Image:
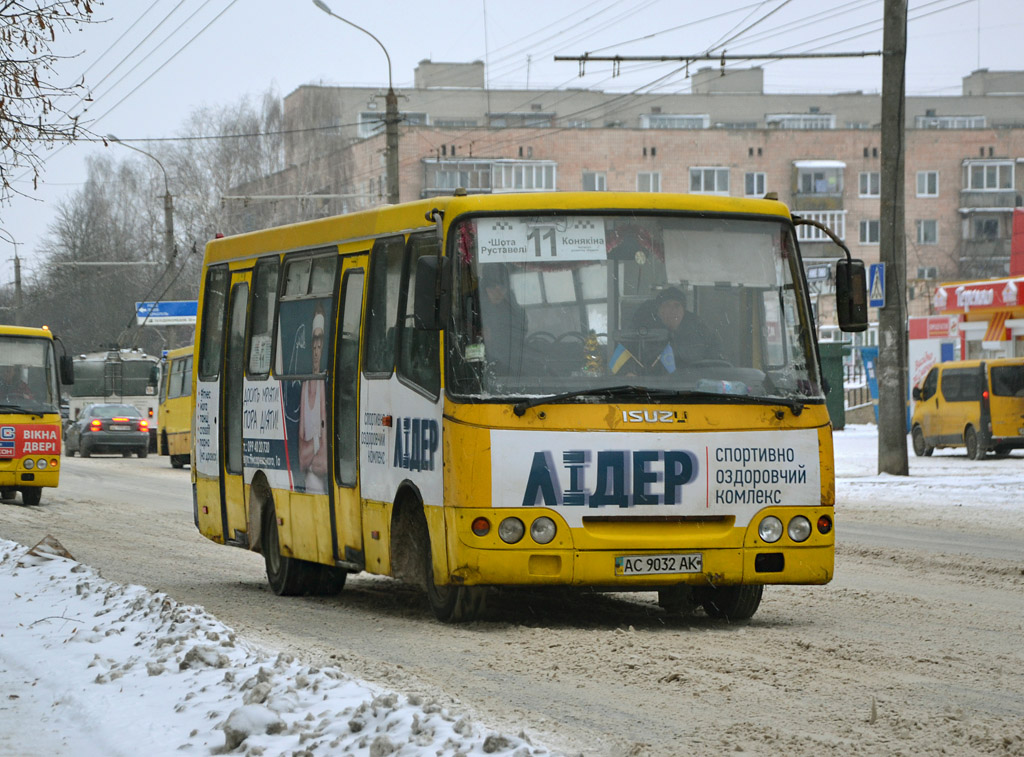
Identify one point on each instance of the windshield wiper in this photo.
(600, 391)
(795, 406)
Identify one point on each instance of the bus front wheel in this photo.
(451, 603)
(731, 602)
(32, 495)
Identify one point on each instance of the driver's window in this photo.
(931, 383)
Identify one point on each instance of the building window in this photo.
(594, 181)
(800, 121)
(927, 183)
(709, 180)
(519, 176)
(869, 231)
(672, 121)
(988, 176)
(648, 181)
(820, 180)
(985, 228)
(949, 122)
(870, 184)
(754, 184)
(928, 232)
(371, 122)
(527, 120)
(455, 123)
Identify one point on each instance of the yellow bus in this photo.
(30, 420)
(609, 390)
(176, 406)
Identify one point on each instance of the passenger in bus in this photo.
(503, 320)
(689, 338)
(313, 416)
(12, 387)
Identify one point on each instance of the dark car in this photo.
(108, 428)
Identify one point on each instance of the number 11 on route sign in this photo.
(876, 285)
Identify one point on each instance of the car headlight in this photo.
(799, 528)
(511, 530)
(770, 529)
(543, 530)
(30, 464)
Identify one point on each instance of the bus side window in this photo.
(215, 298)
(419, 355)
(346, 404)
(386, 261)
(261, 327)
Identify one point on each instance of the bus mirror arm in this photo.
(433, 287)
(851, 283)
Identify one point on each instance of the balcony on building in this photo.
(487, 175)
(988, 198)
(818, 195)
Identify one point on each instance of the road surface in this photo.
(915, 647)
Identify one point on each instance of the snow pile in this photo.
(97, 668)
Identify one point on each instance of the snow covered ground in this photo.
(89, 667)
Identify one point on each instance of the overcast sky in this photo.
(152, 62)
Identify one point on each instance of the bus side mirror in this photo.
(916, 394)
(67, 370)
(851, 295)
(433, 290)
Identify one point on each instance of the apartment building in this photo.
(820, 153)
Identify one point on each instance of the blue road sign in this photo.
(172, 313)
(876, 285)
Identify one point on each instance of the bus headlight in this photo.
(543, 530)
(30, 464)
(799, 528)
(770, 529)
(511, 530)
(41, 465)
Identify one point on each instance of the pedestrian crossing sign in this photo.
(876, 285)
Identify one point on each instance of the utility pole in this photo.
(892, 318)
(17, 288)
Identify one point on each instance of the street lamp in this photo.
(168, 202)
(391, 117)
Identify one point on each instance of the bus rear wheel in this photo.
(178, 461)
(731, 602)
(287, 576)
(32, 495)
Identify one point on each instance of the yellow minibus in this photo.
(609, 390)
(176, 406)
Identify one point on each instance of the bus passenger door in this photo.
(347, 516)
(235, 522)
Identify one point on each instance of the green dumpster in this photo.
(832, 369)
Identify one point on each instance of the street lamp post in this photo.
(168, 202)
(391, 117)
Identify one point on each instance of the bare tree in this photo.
(32, 115)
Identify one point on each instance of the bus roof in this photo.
(6, 330)
(409, 216)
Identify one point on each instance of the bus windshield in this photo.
(28, 375)
(664, 304)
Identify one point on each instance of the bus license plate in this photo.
(642, 565)
(118, 427)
